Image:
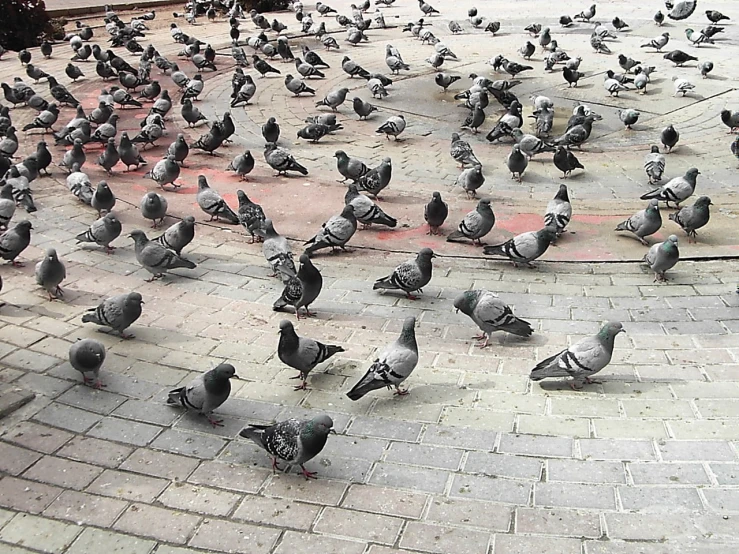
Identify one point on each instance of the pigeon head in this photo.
(427, 253)
(703, 202)
(408, 333)
(672, 239)
(653, 205)
(655, 149)
(305, 259)
(223, 372)
(562, 193)
(286, 327)
(612, 328)
(548, 234)
(202, 182)
(51, 255)
(692, 174)
(110, 216)
(437, 196)
(348, 212)
(319, 426)
(134, 299)
(138, 236)
(466, 302)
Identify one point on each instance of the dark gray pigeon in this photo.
(109, 157)
(103, 231)
(293, 441)
(475, 225)
(179, 235)
(87, 357)
(191, 114)
(103, 198)
(206, 392)
(271, 130)
(179, 149)
(393, 366)
(117, 312)
(582, 360)
(250, 215)
(155, 258)
(691, 218)
(213, 204)
(75, 155)
(302, 353)
(524, 248)
(301, 290)
(410, 276)
(335, 233)
(50, 272)
(128, 153)
(377, 178)
(490, 314)
(362, 109)
(154, 206)
(14, 241)
(435, 214)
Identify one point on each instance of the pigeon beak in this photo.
(234, 376)
(456, 311)
(333, 431)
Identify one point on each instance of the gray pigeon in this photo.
(165, 172)
(50, 272)
(103, 198)
(109, 157)
(377, 178)
(693, 217)
(435, 213)
(179, 149)
(154, 207)
(281, 160)
(271, 130)
(87, 357)
(301, 290)
(654, 165)
(393, 366)
(14, 241)
(297, 86)
(302, 353)
(392, 127)
(524, 248)
(293, 441)
(410, 276)
(103, 231)
(206, 392)
(676, 190)
(365, 210)
(117, 312)
(350, 168)
(75, 155)
(530, 144)
(276, 250)
(643, 223)
(155, 258)
(582, 360)
(7, 205)
(559, 211)
(662, 256)
(79, 184)
(462, 152)
(128, 153)
(242, 164)
(362, 109)
(476, 224)
(251, 215)
(335, 233)
(471, 179)
(334, 99)
(179, 235)
(191, 114)
(213, 203)
(490, 314)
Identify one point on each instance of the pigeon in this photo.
(393, 127)
(365, 210)
(659, 18)
(705, 67)
(490, 314)
(334, 99)
(250, 214)
(524, 248)
(7, 205)
(276, 250)
(292, 440)
(21, 189)
(658, 43)
(109, 157)
(271, 130)
(566, 162)
(661, 257)
(352, 68)
(87, 357)
(334, 233)
(410, 276)
(470, 180)
(117, 312)
(393, 366)
(376, 179)
(682, 86)
(627, 64)
(242, 165)
(165, 172)
(582, 360)
(530, 145)
(281, 160)
(445, 81)
(50, 272)
(179, 235)
(76, 155)
(179, 149)
(693, 217)
(586, 15)
(191, 114)
(676, 190)
(654, 165)
(643, 223)
(435, 213)
(307, 69)
(103, 231)
(129, 154)
(377, 89)
(297, 86)
(245, 93)
(154, 206)
(302, 290)
(475, 225)
(212, 140)
(681, 10)
(349, 168)
(155, 258)
(462, 152)
(79, 184)
(678, 57)
(669, 137)
(14, 241)
(714, 16)
(103, 198)
(613, 86)
(517, 162)
(213, 204)
(302, 353)
(45, 119)
(559, 211)
(206, 392)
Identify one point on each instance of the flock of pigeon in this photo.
(297, 441)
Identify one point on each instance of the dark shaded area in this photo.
(24, 22)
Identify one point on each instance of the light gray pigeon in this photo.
(50, 272)
(676, 190)
(693, 217)
(462, 152)
(490, 314)
(179, 235)
(392, 127)
(643, 223)
(365, 210)
(662, 256)
(335, 233)
(470, 180)
(524, 248)
(410, 276)
(281, 160)
(206, 392)
(582, 360)
(103, 231)
(654, 165)
(276, 250)
(559, 211)
(213, 203)
(302, 353)
(154, 206)
(155, 258)
(79, 184)
(87, 357)
(117, 312)
(165, 172)
(530, 144)
(476, 224)
(103, 199)
(393, 366)
(14, 241)
(334, 99)
(293, 441)
(302, 290)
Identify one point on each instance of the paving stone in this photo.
(470, 513)
(316, 544)
(679, 526)
(577, 471)
(608, 449)
(573, 495)
(14, 460)
(40, 533)
(158, 414)
(158, 523)
(442, 539)
(95, 451)
(189, 444)
(63, 473)
(726, 474)
(122, 430)
(385, 501)
(503, 465)
(517, 544)
(459, 437)
(409, 477)
(229, 476)
(703, 429)
(532, 445)
(359, 525)
(296, 487)
(67, 417)
(44, 384)
(92, 541)
(655, 499)
(118, 484)
(480, 487)
(160, 464)
(724, 500)
(477, 419)
(551, 521)
(385, 428)
(90, 399)
(234, 537)
(695, 451)
(26, 496)
(665, 474)
(27, 360)
(277, 512)
(37, 437)
(549, 425)
(442, 458)
(355, 447)
(86, 509)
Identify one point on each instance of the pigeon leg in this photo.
(99, 385)
(573, 386)
(275, 467)
(400, 392)
(17, 263)
(109, 249)
(308, 474)
(590, 381)
(302, 386)
(214, 422)
(411, 296)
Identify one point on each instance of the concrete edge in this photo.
(76, 11)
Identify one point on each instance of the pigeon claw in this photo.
(308, 474)
(400, 392)
(215, 422)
